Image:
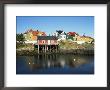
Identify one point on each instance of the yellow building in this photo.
(86, 39)
(28, 35)
(31, 35)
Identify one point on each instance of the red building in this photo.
(72, 33)
(47, 40)
(47, 43)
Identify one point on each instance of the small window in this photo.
(60, 36)
(52, 41)
(43, 41)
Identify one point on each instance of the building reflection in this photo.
(53, 61)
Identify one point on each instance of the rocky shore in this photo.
(74, 51)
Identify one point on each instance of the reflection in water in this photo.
(56, 64)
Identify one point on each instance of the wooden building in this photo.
(31, 35)
(47, 43)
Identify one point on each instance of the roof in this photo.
(43, 33)
(59, 31)
(47, 38)
(30, 30)
(63, 33)
(86, 37)
(35, 33)
(71, 33)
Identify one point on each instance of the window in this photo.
(52, 41)
(60, 36)
(43, 41)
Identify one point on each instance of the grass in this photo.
(72, 45)
(24, 46)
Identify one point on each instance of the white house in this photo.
(60, 34)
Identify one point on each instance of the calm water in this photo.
(55, 64)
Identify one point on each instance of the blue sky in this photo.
(49, 24)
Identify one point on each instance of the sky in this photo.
(49, 24)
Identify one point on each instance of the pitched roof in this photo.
(59, 31)
(35, 33)
(30, 30)
(43, 33)
(47, 38)
(71, 33)
(86, 37)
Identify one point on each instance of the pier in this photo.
(46, 48)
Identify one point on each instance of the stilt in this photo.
(56, 48)
(45, 48)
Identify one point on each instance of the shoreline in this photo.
(74, 52)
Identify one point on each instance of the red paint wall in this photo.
(53, 41)
(40, 42)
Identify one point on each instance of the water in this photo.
(55, 64)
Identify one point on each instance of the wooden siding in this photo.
(53, 41)
(47, 42)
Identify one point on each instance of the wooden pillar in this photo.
(45, 48)
(56, 48)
